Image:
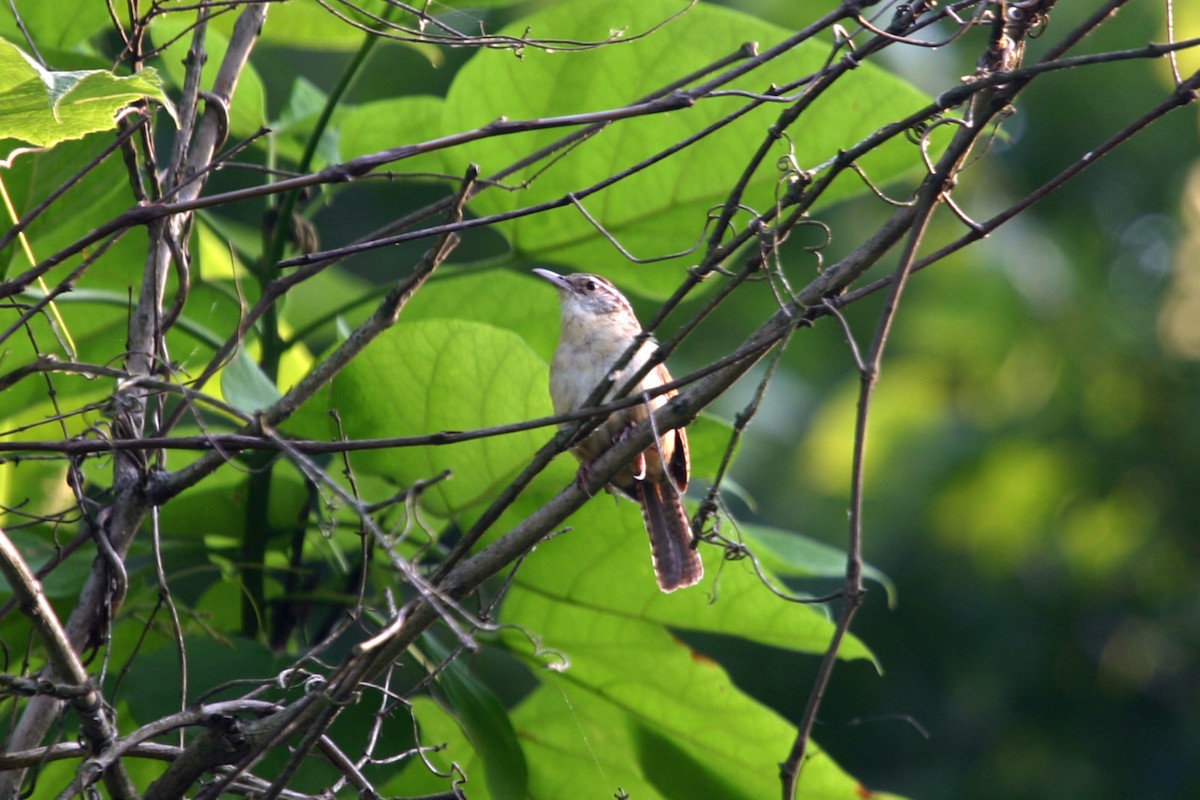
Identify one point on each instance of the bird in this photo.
(598, 326)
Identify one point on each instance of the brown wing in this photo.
(674, 444)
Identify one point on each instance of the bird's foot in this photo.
(584, 477)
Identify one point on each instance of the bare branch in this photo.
(98, 729)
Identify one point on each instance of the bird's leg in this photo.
(584, 477)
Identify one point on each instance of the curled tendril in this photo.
(736, 551)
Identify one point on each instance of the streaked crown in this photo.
(589, 293)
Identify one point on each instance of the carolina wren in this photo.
(598, 326)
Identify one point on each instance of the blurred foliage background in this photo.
(1033, 465)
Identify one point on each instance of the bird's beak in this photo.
(558, 280)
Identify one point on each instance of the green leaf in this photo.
(217, 506)
(510, 299)
(607, 547)
(637, 709)
(663, 209)
(384, 124)
(485, 722)
(304, 105)
(446, 745)
(436, 375)
(156, 674)
(314, 26)
(295, 125)
(60, 25)
(245, 386)
(796, 555)
(95, 199)
(43, 107)
(64, 580)
(320, 26)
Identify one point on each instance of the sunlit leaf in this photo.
(385, 124)
(661, 210)
(633, 707)
(603, 563)
(60, 25)
(43, 107)
(438, 375)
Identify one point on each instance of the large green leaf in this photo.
(340, 26)
(60, 25)
(384, 124)
(515, 301)
(634, 708)
(96, 327)
(316, 26)
(152, 686)
(663, 209)
(603, 564)
(43, 107)
(435, 375)
(94, 199)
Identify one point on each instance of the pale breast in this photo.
(584, 357)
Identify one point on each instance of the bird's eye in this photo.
(590, 286)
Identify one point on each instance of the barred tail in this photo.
(676, 562)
